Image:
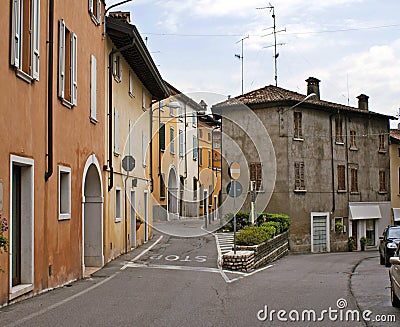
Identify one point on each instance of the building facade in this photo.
(394, 151)
(324, 164)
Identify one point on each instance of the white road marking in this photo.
(171, 267)
(147, 250)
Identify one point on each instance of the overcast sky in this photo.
(352, 46)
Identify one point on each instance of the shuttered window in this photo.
(341, 177)
(382, 181)
(25, 39)
(298, 133)
(95, 11)
(299, 176)
(93, 88)
(338, 130)
(181, 150)
(354, 180)
(162, 137)
(171, 140)
(195, 148)
(162, 186)
(256, 174)
(382, 143)
(353, 142)
(67, 65)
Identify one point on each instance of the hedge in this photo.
(252, 235)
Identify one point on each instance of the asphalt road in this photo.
(175, 281)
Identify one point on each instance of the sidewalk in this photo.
(186, 227)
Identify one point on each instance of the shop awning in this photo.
(396, 214)
(364, 211)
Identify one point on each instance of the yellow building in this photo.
(209, 134)
(174, 149)
(134, 84)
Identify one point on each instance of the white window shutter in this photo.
(16, 33)
(130, 83)
(116, 131)
(98, 10)
(120, 68)
(74, 69)
(91, 6)
(181, 143)
(93, 87)
(35, 38)
(114, 68)
(61, 59)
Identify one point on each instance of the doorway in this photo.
(320, 232)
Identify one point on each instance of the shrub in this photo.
(253, 235)
(276, 225)
(283, 219)
(242, 220)
(351, 242)
(270, 229)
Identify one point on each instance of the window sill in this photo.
(24, 76)
(131, 95)
(300, 191)
(298, 139)
(117, 79)
(162, 198)
(118, 219)
(353, 149)
(66, 103)
(94, 120)
(19, 290)
(382, 151)
(116, 154)
(95, 20)
(342, 191)
(354, 193)
(382, 192)
(339, 143)
(64, 216)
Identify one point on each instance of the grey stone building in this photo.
(323, 163)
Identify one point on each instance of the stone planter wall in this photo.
(254, 256)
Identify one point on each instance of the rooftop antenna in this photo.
(276, 55)
(240, 57)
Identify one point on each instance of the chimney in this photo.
(121, 15)
(203, 105)
(363, 102)
(313, 86)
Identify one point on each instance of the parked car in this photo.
(388, 244)
(394, 276)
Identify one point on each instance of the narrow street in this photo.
(172, 281)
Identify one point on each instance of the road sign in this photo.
(128, 163)
(234, 170)
(230, 189)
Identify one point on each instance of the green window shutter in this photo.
(162, 137)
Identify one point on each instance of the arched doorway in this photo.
(92, 215)
(172, 200)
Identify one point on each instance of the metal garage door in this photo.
(319, 233)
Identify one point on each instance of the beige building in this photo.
(134, 84)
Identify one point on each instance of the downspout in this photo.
(347, 161)
(151, 145)
(333, 164)
(49, 171)
(186, 164)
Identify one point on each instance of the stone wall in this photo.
(250, 257)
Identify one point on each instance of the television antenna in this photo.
(240, 57)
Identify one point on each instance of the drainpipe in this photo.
(151, 144)
(49, 171)
(347, 162)
(186, 164)
(333, 164)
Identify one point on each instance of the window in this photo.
(200, 156)
(209, 137)
(25, 38)
(298, 132)
(194, 120)
(171, 140)
(116, 131)
(194, 188)
(200, 133)
(382, 181)
(382, 143)
(370, 232)
(341, 178)
(67, 66)
(181, 143)
(210, 195)
(338, 130)
(162, 137)
(217, 136)
(93, 89)
(144, 105)
(180, 113)
(171, 111)
(299, 176)
(117, 68)
(256, 174)
(95, 11)
(118, 205)
(209, 159)
(131, 84)
(353, 144)
(338, 225)
(354, 180)
(399, 151)
(162, 186)
(64, 192)
(195, 148)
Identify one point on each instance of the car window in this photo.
(394, 233)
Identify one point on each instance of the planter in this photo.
(138, 225)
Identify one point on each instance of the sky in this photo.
(352, 46)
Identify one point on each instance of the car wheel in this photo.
(395, 300)
(381, 259)
(387, 262)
